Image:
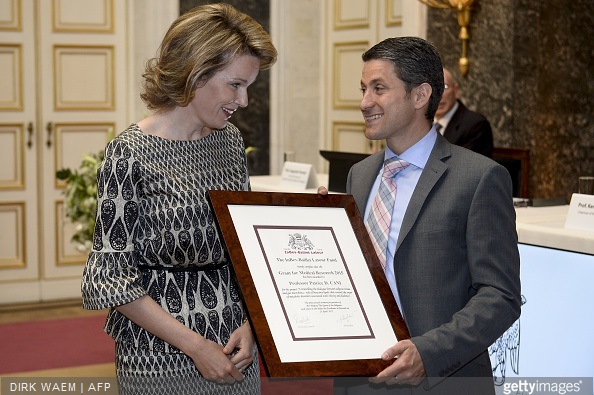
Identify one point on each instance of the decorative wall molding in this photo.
(91, 135)
(66, 254)
(11, 19)
(352, 14)
(12, 162)
(84, 77)
(11, 77)
(98, 16)
(346, 73)
(13, 245)
(393, 12)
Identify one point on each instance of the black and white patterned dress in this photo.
(152, 211)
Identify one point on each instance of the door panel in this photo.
(83, 62)
(19, 263)
(62, 93)
(356, 26)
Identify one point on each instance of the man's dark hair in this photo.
(415, 61)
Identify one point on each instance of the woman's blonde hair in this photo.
(198, 44)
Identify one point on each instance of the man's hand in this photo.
(322, 190)
(407, 368)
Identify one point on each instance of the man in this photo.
(452, 259)
(458, 124)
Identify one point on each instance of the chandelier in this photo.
(463, 9)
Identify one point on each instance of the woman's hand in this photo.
(208, 356)
(213, 363)
(242, 341)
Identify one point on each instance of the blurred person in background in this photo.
(458, 124)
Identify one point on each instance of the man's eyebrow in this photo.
(374, 81)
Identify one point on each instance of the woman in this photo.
(157, 261)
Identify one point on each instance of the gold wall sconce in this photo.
(463, 9)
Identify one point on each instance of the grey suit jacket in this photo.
(456, 263)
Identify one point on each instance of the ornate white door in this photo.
(70, 58)
(352, 27)
(19, 269)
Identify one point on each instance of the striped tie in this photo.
(378, 222)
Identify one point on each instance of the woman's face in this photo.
(225, 92)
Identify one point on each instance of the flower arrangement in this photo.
(80, 203)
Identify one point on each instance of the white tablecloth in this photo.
(272, 184)
(545, 226)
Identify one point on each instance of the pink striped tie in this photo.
(380, 216)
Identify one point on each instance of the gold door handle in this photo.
(49, 128)
(30, 131)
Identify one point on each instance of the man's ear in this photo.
(422, 95)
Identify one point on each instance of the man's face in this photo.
(449, 95)
(386, 107)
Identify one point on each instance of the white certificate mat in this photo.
(313, 282)
(318, 295)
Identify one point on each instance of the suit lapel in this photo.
(432, 172)
(367, 178)
(452, 131)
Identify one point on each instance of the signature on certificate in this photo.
(301, 320)
(345, 319)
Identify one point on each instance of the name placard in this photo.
(298, 176)
(581, 212)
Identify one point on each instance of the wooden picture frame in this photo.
(316, 296)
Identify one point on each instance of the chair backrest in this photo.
(340, 164)
(517, 162)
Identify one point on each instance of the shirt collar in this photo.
(418, 154)
(447, 117)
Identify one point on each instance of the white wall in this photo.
(296, 81)
(147, 24)
(299, 84)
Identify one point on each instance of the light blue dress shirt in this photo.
(406, 181)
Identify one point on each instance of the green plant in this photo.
(80, 202)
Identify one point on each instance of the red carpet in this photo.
(53, 344)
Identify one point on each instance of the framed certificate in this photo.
(316, 296)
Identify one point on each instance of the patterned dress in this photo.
(155, 235)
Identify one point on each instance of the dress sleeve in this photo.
(111, 276)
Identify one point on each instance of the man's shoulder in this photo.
(371, 160)
(366, 169)
(468, 158)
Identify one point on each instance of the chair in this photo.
(517, 162)
(340, 164)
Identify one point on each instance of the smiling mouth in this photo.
(228, 112)
(373, 117)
